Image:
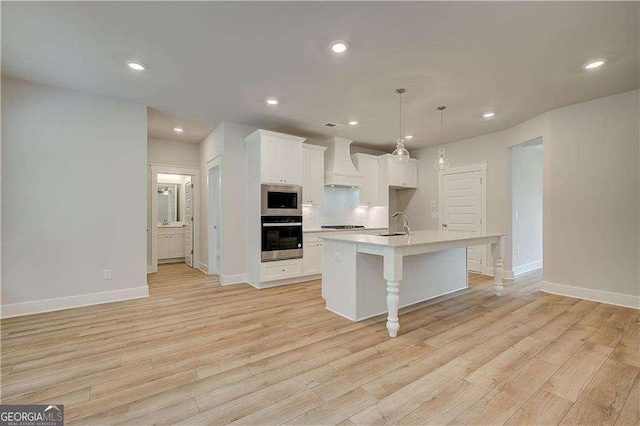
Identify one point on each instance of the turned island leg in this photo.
(393, 276)
(498, 272)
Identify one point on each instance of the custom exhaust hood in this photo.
(338, 167)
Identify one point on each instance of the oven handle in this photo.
(269, 225)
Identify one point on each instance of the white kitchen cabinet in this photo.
(367, 165)
(312, 258)
(281, 161)
(280, 269)
(312, 174)
(401, 175)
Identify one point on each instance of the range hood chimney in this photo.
(338, 167)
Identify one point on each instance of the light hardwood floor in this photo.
(198, 353)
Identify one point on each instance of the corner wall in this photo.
(74, 196)
(591, 201)
(227, 141)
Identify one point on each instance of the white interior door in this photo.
(461, 201)
(188, 218)
(214, 220)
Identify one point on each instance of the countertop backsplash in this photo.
(341, 208)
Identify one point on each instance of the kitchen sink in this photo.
(392, 235)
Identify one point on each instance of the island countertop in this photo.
(416, 238)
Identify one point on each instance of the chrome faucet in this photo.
(407, 230)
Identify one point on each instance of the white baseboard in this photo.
(527, 267)
(626, 300)
(233, 279)
(203, 267)
(57, 304)
(152, 269)
(508, 275)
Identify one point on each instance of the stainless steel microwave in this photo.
(281, 200)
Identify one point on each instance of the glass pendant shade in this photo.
(401, 153)
(441, 162)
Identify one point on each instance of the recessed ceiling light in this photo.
(339, 46)
(408, 137)
(178, 129)
(137, 66)
(489, 114)
(272, 101)
(597, 63)
(353, 122)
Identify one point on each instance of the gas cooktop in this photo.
(342, 226)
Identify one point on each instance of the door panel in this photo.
(462, 210)
(188, 218)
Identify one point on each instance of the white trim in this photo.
(527, 267)
(626, 300)
(189, 171)
(151, 269)
(60, 303)
(466, 168)
(233, 279)
(203, 267)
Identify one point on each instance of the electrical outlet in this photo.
(516, 215)
(337, 257)
(107, 274)
(517, 255)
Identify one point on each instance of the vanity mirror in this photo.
(168, 206)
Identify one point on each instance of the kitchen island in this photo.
(428, 264)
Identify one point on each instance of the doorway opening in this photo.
(174, 218)
(526, 206)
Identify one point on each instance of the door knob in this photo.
(444, 225)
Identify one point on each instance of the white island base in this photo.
(364, 276)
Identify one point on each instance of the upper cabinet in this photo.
(367, 165)
(280, 157)
(312, 174)
(400, 175)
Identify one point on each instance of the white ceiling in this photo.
(219, 61)
(160, 125)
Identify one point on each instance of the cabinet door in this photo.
(290, 163)
(163, 246)
(410, 174)
(306, 189)
(395, 173)
(269, 161)
(176, 246)
(312, 258)
(368, 193)
(314, 170)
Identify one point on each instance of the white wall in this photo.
(591, 191)
(73, 198)
(227, 140)
(526, 172)
(173, 153)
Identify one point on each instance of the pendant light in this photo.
(441, 162)
(400, 153)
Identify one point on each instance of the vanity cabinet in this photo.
(367, 165)
(171, 243)
(312, 174)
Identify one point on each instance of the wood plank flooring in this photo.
(195, 352)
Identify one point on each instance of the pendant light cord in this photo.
(400, 116)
